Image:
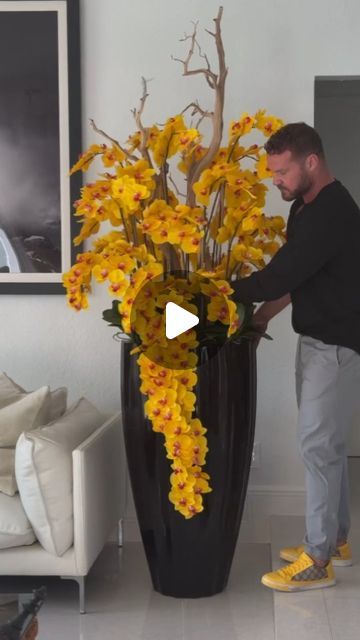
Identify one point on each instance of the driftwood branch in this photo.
(204, 56)
(217, 82)
(197, 109)
(137, 113)
(210, 76)
(113, 141)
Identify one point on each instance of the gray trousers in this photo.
(328, 392)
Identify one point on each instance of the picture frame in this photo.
(40, 139)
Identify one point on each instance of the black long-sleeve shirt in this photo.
(319, 266)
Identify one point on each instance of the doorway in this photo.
(337, 120)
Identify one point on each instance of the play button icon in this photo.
(178, 320)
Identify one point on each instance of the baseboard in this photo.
(261, 503)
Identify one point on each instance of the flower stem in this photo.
(124, 225)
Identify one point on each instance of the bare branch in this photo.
(197, 109)
(114, 142)
(137, 113)
(204, 56)
(217, 117)
(210, 76)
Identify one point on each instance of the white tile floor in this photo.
(122, 605)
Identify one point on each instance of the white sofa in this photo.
(98, 501)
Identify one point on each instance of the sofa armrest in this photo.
(99, 471)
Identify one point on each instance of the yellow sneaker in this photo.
(300, 575)
(342, 557)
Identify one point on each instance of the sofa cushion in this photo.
(29, 412)
(11, 392)
(7, 471)
(43, 467)
(15, 528)
(58, 401)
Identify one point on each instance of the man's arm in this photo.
(268, 310)
(317, 240)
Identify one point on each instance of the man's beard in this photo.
(303, 187)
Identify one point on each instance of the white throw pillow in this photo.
(7, 471)
(27, 413)
(57, 403)
(15, 528)
(11, 392)
(43, 467)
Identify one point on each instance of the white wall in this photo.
(274, 48)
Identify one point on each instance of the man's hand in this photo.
(259, 323)
(266, 312)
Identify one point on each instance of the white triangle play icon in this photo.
(178, 320)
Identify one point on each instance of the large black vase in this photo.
(192, 558)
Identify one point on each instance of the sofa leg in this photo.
(81, 582)
(120, 533)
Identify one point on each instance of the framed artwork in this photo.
(40, 139)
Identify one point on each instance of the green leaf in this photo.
(112, 315)
(242, 312)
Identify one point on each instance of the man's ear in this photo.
(312, 161)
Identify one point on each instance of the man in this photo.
(318, 270)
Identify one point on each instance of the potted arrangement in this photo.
(195, 393)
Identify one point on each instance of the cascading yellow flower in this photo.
(169, 405)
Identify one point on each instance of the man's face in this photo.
(291, 175)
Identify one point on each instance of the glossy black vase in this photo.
(192, 558)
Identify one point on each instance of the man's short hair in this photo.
(297, 137)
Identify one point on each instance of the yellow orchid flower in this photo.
(243, 253)
(86, 158)
(202, 188)
(167, 142)
(190, 155)
(152, 136)
(180, 476)
(188, 508)
(241, 127)
(129, 192)
(140, 171)
(234, 320)
(269, 248)
(197, 429)
(78, 300)
(261, 168)
(266, 123)
(184, 139)
(187, 237)
(112, 156)
(201, 486)
(218, 310)
(224, 169)
(134, 141)
(175, 428)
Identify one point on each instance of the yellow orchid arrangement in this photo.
(167, 246)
